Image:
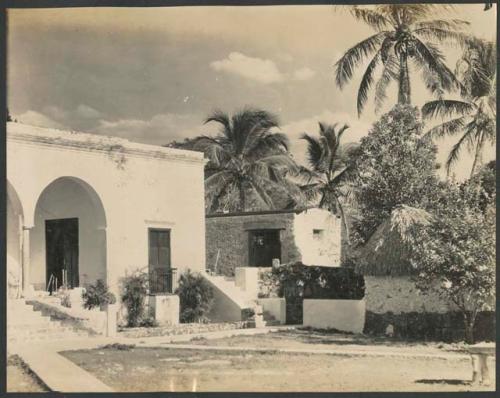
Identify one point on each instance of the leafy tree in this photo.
(395, 166)
(474, 116)
(455, 255)
(331, 169)
(196, 297)
(404, 34)
(247, 158)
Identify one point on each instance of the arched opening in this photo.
(68, 240)
(14, 241)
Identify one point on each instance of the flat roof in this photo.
(95, 142)
(257, 213)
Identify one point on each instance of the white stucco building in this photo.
(97, 207)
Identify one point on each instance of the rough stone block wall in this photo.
(399, 294)
(413, 315)
(229, 235)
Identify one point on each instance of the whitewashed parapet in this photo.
(344, 315)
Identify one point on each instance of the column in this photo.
(26, 260)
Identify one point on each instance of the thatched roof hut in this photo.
(386, 252)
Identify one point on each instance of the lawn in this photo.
(20, 378)
(178, 369)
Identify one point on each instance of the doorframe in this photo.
(47, 276)
(250, 235)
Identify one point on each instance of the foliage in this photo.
(134, 291)
(196, 297)
(331, 169)
(247, 158)
(455, 255)
(405, 33)
(474, 116)
(395, 166)
(319, 282)
(97, 295)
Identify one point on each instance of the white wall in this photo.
(13, 232)
(140, 186)
(344, 315)
(325, 251)
(67, 199)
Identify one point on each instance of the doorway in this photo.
(61, 243)
(160, 270)
(264, 246)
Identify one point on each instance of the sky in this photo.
(152, 75)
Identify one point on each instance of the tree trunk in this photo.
(477, 157)
(469, 328)
(404, 80)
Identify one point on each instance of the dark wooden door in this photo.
(160, 273)
(264, 245)
(61, 244)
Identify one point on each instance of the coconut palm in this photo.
(330, 169)
(474, 116)
(246, 158)
(404, 34)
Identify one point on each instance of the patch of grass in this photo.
(118, 346)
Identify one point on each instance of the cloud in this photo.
(159, 130)
(37, 119)
(294, 130)
(303, 74)
(261, 70)
(87, 112)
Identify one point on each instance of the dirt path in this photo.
(19, 379)
(162, 369)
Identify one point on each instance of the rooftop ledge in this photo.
(96, 143)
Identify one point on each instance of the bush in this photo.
(134, 291)
(97, 295)
(300, 281)
(196, 297)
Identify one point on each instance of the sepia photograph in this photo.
(251, 198)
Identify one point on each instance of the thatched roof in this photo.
(386, 252)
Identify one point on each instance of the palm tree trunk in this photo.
(477, 156)
(404, 80)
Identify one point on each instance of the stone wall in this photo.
(228, 234)
(394, 304)
(399, 294)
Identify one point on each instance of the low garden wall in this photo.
(343, 315)
(395, 306)
(185, 328)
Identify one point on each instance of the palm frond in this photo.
(430, 57)
(448, 128)
(372, 18)
(449, 24)
(223, 119)
(455, 152)
(355, 56)
(367, 81)
(446, 108)
(314, 151)
(389, 74)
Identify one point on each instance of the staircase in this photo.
(25, 325)
(243, 300)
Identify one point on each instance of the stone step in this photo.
(27, 322)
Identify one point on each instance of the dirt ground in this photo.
(320, 340)
(19, 379)
(170, 369)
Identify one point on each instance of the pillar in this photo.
(26, 261)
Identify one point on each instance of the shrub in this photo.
(97, 295)
(196, 297)
(300, 281)
(134, 291)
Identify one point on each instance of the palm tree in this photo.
(474, 116)
(246, 158)
(404, 33)
(330, 169)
